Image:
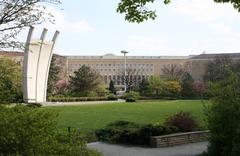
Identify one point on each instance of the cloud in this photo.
(62, 24)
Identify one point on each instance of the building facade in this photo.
(111, 67)
(199, 63)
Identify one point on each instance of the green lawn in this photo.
(87, 118)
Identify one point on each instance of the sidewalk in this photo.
(192, 149)
(80, 103)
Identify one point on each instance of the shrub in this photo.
(131, 133)
(34, 105)
(131, 96)
(118, 132)
(112, 97)
(76, 99)
(27, 131)
(158, 129)
(171, 89)
(183, 121)
(223, 117)
(130, 99)
(71, 144)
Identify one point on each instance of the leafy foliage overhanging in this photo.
(136, 11)
(16, 15)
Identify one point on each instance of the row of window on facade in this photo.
(117, 70)
(119, 79)
(113, 65)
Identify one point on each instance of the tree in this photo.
(18, 14)
(53, 76)
(223, 116)
(61, 87)
(219, 69)
(10, 81)
(143, 87)
(156, 85)
(84, 81)
(111, 87)
(172, 72)
(136, 10)
(132, 78)
(171, 88)
(187, 84)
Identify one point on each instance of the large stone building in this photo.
(111, 67)
(199, 63)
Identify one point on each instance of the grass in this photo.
(88, 118)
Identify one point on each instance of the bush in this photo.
(27, 131)
(119, 132)
(158, 129)
(71, 144)
(171, 89)
(131, 133)
(131, 96)
(112, 97)
(223, 117)
(34, 105)
(130, 99)
(183, 121)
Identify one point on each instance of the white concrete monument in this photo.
(37, 60)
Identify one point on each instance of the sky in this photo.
(185, 27)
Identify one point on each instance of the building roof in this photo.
(11, 53)
(112, 56)
(20, 53)
(213, 56)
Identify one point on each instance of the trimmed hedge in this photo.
(78, 99)
(157, 98)
(132, 133)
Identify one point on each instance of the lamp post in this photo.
(124, 52)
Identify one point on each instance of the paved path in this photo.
(120, 150)
(80, 103)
